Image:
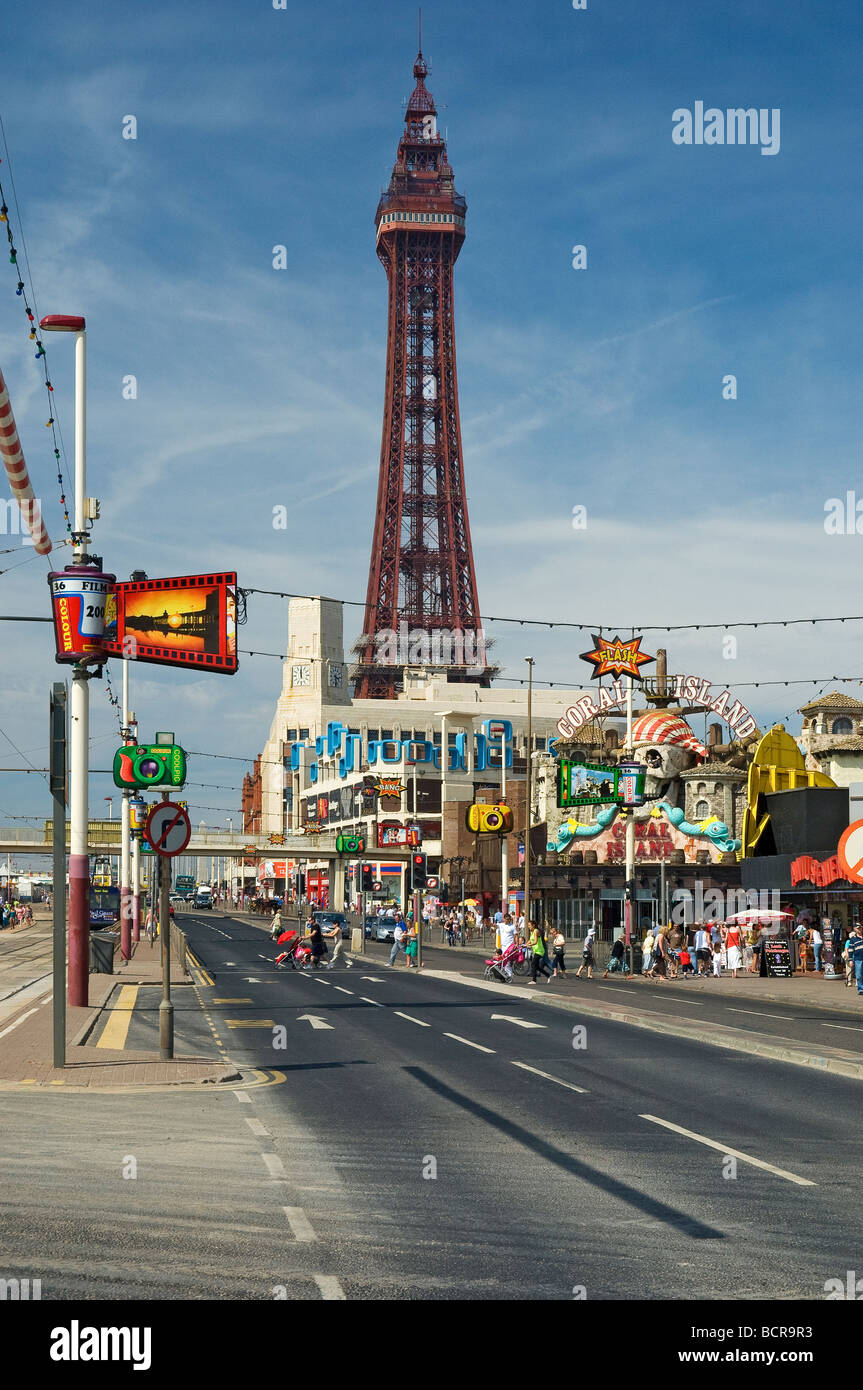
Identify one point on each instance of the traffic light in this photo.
(443, 893)
(629, 890)
(368, 879)
(418, 871)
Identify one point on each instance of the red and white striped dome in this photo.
(661, 727)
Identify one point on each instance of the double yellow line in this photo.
(205, 979)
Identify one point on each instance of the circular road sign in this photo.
(850, 853)
(168, 829)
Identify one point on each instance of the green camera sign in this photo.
(150, 765)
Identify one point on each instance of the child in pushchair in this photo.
(503, 963)
(295, 952)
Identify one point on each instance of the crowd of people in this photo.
(15, 914)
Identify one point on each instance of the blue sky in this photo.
(600, 387)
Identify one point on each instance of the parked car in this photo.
(329, 919)
(385, 929)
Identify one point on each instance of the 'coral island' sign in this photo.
(690, 690)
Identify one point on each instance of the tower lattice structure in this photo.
(422, 582)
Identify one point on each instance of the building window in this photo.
(304, 733)
(842, 726)
(291, 736)
(702, 810)
(386, 735)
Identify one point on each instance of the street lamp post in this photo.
(527, 796)
(504, 848)
(79, 705)
(125, 839)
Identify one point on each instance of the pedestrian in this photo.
(317, 945)
(615, 960)
(702, 949)
(686, 966)
(411, 949)
(817, 946)
(276, 925)
(647, 952)
(559, 958)
(587, 961)
(854, 947)
(717, 960)
(537, 955)
(661, 955)
(399, 934)
(801, 938)
(733, 953)
(336, 936)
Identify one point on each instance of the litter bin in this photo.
(102, 945)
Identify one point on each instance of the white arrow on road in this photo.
(314, 1021)
(250, 980)
(522, 1022)
(373, 979)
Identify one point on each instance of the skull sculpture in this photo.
(667, 745)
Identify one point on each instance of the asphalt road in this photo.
(580, 1176)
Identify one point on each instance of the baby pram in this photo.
(504, 964)
(294, 952)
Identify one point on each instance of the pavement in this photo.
(96, 1036)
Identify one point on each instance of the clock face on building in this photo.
(301, 675)
(335, 676)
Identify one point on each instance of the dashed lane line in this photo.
(467, 1042)
(556, 1079)
(342, 989)
(243, 1097)
(734, 1153)
(846, 1027)
(300, 1224)
(756, 1013)
(376, 1002)
(330, 1287)
(257, 1127)
(410, 1018)
(275, 1166)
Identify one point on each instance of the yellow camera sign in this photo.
(489, 820)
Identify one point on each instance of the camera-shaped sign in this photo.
(350, 844)
(489, 820)
(150, 765)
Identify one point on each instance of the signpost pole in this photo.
(504, 848)
(125, 837)
(58, 791)
(527, 798)
(166, 1008)
(629, 892)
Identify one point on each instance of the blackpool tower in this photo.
(421, 602)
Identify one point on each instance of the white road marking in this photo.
(330, 1287)
(256, 1127)
(314, 1021)
(376, 1002)
(275, 1166)
(251, 980)
(219, 930)
(410, 1018)
(299, 1223)
(522, 1022)
(467, 1042)
(756, 1013)
(260, 957)
(846, 1027)
(342, 989)
(243, 1097)
(548, 1076)
(726, 1149)
(372, 979)
(17, 1021)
